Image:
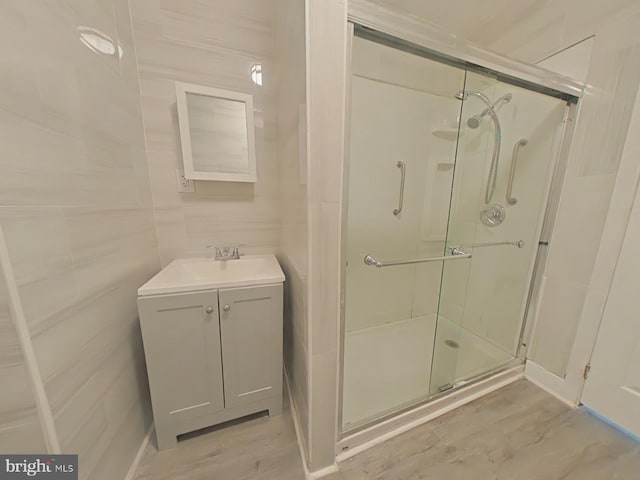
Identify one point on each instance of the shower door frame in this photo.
(432, 43)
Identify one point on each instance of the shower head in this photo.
(475, 121)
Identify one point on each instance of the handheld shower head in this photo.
(474, 122)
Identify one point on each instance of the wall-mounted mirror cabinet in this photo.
(216, 132)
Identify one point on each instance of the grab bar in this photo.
(456, 253)
(403, 172)
(512, 172)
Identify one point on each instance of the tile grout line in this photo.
(43, 407)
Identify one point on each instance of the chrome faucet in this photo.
(226, 253)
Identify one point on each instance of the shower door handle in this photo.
(456, 253)
(512, 172)
(403, 172)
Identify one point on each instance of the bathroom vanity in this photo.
(212, 333)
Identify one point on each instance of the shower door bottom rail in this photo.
(456, 254)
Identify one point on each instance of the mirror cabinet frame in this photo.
(190, 169)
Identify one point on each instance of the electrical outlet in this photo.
(184, 184)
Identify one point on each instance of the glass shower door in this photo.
(505, 157)
(404, 129)
(425, 181)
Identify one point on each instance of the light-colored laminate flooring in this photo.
(517, 433)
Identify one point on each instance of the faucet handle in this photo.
(218, 251)
(236, 252)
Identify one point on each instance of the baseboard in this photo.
(302, 445)
(323, 472)
(136, 461)
(549, 382)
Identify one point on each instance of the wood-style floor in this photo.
(257, 447)
(517, 433)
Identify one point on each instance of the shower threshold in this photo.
(460, 393)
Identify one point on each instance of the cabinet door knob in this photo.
(209, 309)
(226, 308)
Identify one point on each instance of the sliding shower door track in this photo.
(362, 437)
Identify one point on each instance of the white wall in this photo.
(572, 62)
(75, 207)
(527, 30)
(533, 30)
(213, 44)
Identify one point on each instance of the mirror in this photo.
(216, 132)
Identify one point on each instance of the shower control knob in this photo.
(209, 309)
(226, 308)
(493, 215)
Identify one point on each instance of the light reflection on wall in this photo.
(99, 42)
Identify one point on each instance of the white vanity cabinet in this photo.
(212, 355)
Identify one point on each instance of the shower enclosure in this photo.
(446, 185)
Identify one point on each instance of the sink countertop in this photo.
(197, 274)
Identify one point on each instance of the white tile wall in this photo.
(214, 44)
(75, 206)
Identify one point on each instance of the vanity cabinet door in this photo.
(251, 331)
(181, 338)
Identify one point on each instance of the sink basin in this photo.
(195, 274)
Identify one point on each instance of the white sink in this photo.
(194, 274)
